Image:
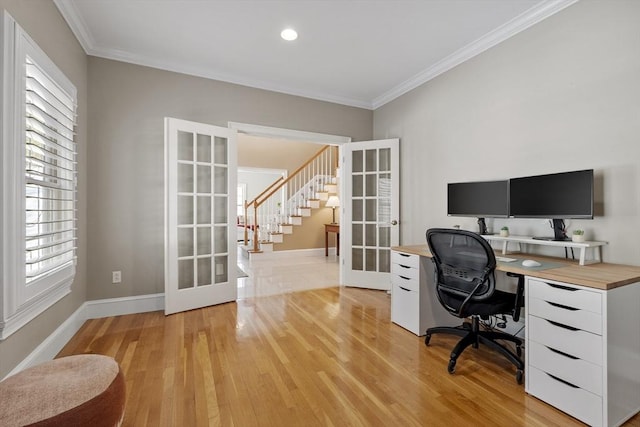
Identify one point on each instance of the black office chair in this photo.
(465, 283)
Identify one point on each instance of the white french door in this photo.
(200, 206)
(371, 190)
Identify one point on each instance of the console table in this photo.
(581, 334)
(331, 228)
(527, 240)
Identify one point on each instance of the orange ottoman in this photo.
(83, 390)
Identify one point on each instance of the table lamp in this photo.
(333, 202)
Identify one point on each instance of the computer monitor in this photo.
(485, 199)
(556, 196)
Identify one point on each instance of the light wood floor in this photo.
(327, 357)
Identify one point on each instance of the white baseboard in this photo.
(96, 309)
(126, 305)
(52, 345)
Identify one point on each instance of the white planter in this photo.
(578, 238)
(504, 233)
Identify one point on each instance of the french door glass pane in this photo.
(356, 234)
(185, 242)
(356, 259)
(371, 234)
(204, 209)
(371, 261)
(220, 210)
(371, 185)
(185, 273)
(204, 271)
(220, 239)
(220, 151)
(204, 178)
(356, 206)
(371, 210)
(185, 178)
(204, 148)
(385, 159)
(357, 185)
(356, 162)
(384, 237)
(384, 260)
(371, 160)
(221, 269)
(185, 210)
(185, 146)
(220, 180)
(204, 240)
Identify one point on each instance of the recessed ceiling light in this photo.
(289, 34)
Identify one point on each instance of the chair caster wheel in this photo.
(519, 376)
(427, 338)
(451, 368)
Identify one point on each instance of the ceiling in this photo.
(362, 53)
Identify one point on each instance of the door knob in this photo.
(394, 222)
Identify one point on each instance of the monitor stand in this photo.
(482, 227)
(559, 233)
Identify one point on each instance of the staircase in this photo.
(281, 207)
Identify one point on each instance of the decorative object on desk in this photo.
(333, 202)
(457, 226)
(504, 231)
(578, 236)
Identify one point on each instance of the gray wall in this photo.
(127, 104)
(562, 95)
(42, 21)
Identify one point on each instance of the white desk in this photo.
(528, 240)
(582, 338)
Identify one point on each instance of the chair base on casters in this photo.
(472, 335)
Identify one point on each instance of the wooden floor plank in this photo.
(326, 357)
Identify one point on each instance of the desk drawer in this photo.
(405, 271)
(575, 317)
(571, 399)
(405, 308)
(407, 282)
(579, 372)
(408, 260)
(566, 295)
(575, 342)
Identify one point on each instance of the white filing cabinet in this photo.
(583, 349)
(414, 304)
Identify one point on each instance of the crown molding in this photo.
(79, 28)
(500, 34)
(207, 73)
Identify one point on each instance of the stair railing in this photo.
(284, 198)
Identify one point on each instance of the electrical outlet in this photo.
(116, 277)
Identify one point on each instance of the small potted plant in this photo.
(578, 236)
(504, 231)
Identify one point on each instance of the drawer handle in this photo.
(562, 353)
(404, 266)
(562, 381)
(564, 288)
(560, 325)
(564, 307)
(404, 255)
(405, 278)
(404, 289)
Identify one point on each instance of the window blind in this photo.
(50, 174)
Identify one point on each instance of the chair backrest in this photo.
(464, 263)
